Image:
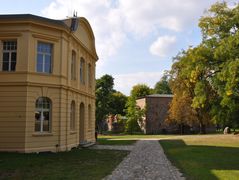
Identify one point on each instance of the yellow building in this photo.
(47, 83)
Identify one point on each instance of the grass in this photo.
(204, 157)
(134, 137)
(76, 164)
(213, 156)
(125, 139)
(109, 141)
(197, 156)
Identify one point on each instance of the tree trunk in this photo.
(181, 128)
(202, 128)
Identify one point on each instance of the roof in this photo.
(160, 95)
(157, 96)
(58, 24)
(30, 17)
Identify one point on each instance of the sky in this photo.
(135, 39)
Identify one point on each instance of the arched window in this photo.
(72, 116)
(43, 114)
(89, 75)
(73, 65)
(82, 71)
(89, 117)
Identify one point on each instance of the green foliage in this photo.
(108, 101)
(132, 126)
(104, 90)
(132, 116)
(162, 87)
(220, 22)
(209, 73)
(190, 85)
(117, 103)
(140, 90)
(200, 98)
(135, 114)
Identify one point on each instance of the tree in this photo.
(117, 103)
(104, 90)
(220, 32)
(134, 113)
(190, 79)
(181, 112)
(208, 74)
(162, 87)
(140, 90)
(108, 100)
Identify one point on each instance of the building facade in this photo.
(156, 111)
(47, 83)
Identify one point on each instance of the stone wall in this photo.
(156, 113)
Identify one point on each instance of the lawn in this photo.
(135, 137)
(204, 157)
(213, 156)
(126, 139)
(76, 164)
(197, 157)
(109, 141)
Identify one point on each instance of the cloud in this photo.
(105, 20)
(112, 20)
(154, 15)
(162, 45)
(116, 21)
(171, 23)
(125, 82)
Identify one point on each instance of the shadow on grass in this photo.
(77, 164)
(109, 141)
(203, 162)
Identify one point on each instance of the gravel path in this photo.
(146, 161)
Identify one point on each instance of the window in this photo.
(44, 57)
(89, 75)
(9, 55)
(89, 117)
(72, 116)
(82, 71)
(73, 66)
(42, 115)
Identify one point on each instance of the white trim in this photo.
(44, 54)
(10, 55)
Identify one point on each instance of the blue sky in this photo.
(135, 39)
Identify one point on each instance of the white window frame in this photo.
(44, 54)
(42, 110)
(10, 55)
